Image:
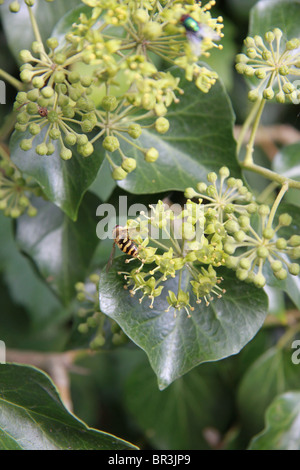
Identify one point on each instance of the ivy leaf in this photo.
(63, 182)
(176, 344)
(18, 29)
(194, 402)
(282, 431)
(60, 248)
(269, 14)
(34, 418)
(199, 140)
(277, 372)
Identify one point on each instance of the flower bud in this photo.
(281, 274)
(152, 30)
(52, 43)
(111, 143)
(162, 125)
(41, 149)
(294, 269)
(190, 193)
(118, 173)
(134, 131)
(109, 103)
(151, 155)
(259, 280)
(294, 240)
(129, 164)
(285, 220)
(281, 243)
(65, 154)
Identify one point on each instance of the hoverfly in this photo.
(196, 32)
(123, 241)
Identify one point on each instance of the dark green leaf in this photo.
(269, 14)
(282, 431)
(23, 284)
(34, 418)
(199, 140)
(60, 248)
(186, 408)
(63, 182)
(18, 29)
(175, 345)
(271, 374)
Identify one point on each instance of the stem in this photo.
(246, 126)
(34, 25)
(271, 175)
(250, 146)
(12, 80)
(277, 201)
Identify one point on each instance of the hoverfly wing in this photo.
(111, 258)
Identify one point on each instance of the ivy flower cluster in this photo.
(15, 191)
(119, 40)
(273, 63)
(217, 227)
(91, 319)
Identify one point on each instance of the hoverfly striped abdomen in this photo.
(124, 242)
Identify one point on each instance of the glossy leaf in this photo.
(60, 248)
(282, 431)
(199, 140)
(190, 405)
(63, 182)
(175, 345)
(269, 14)
(18, 29)
(271, 374)
(34, 418)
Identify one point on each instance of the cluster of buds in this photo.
(218, 219)
(59, 104)
(15, 6)
(91, 319)
(273, 63)
(15, 191)
(255, 242)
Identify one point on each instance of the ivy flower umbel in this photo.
(59, 104)
(256, 246)
(273, 63)
(91, 319)
(174, 245)
(15, 191)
